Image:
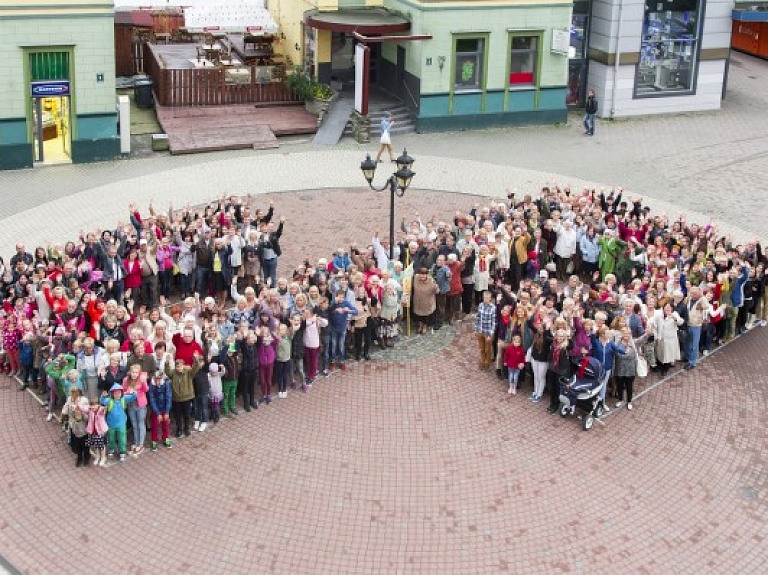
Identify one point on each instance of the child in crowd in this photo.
(267, 345)
(75, 412)
(283, 361)
(97, 430)
(183, 391)
(136, 382)
(313, 325)
(159, 396)
(325, 337)
(11, 335)
(514, 359)
(26, 359)
(55, 370)
(216, 393)
(202, 391)
(229, 379)
(298, 327)
(117, 419)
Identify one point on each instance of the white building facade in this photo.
(658, 56)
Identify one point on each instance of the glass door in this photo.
(51, 130)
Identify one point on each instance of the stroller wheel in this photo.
(589, 421)
(564, 411)
(599, 410)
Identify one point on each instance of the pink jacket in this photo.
(312, 332)
(140, 390)
(97, 421)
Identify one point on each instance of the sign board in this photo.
(50, 89)
(561, 41)
(361, 78)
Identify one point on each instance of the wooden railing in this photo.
(216, 85)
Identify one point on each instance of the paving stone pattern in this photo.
(407, 465)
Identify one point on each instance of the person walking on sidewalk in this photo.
(386, 141)
(591, 113)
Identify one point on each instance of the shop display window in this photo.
(669, 48)
(522, 68)
(469, 56)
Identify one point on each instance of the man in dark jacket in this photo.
(591, 112)
(269, 251)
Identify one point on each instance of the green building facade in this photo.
(58, 83)
(487, 64)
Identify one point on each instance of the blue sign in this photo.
(50, 89)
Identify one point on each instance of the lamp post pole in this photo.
(397, 183)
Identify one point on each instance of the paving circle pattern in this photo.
(424, 466)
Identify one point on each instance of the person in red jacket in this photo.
(453, 301)
(186, 346)
(514, 359)
(57, 299)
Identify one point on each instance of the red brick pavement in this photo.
(421, 467)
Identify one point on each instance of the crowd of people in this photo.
(180, 313)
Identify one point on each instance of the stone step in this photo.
(400, 114)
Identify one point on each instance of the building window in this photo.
(522, 68)
(669, 47)
(469, 64)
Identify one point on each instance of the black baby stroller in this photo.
(581, 391)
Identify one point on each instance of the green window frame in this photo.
(470, 63)
(524, 61)
(48, 60)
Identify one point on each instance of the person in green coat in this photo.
(611, 248)
(57, 369)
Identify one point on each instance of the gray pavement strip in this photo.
(6, 568)
(199, 183)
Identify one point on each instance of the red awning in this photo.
(363, 21)
(138, 18)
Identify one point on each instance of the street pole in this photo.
(392, 187)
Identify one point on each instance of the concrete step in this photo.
(400, 114)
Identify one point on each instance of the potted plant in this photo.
(317, 96)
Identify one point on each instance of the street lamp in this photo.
(397, 183)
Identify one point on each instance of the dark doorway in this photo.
(400, 71)
(375, 63)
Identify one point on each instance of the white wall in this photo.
(605, 37)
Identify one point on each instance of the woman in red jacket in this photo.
(133, 271)
(56, 298)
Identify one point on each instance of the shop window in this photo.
(669, 48)
(522, 68)
(469, 64)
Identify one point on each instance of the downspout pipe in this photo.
(617, 59)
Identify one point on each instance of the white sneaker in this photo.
(629, 406)
(196, 427)
(606, 409)
(203, 426)
(619, 404)
(49, 417)
(763, 323)
(705, 353)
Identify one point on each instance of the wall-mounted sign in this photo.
(561, 41)
(50, 89)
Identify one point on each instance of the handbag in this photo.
(641, 364)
